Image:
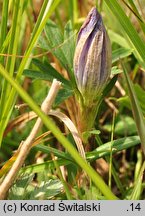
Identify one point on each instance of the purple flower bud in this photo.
(92, 59)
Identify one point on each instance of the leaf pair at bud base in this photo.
(92, 59)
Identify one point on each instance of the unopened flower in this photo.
(92, 59)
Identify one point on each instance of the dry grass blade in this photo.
(72, 129)
(70, 125)
(22, 119)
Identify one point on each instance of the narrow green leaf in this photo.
(110, 85)
(4, 21)
(117, 38)
(48, 150)
(69, 43)
(137, 112)
(62, 46)
(115, 70)
(50, 71)
(137, 43)
(117, 145)
(138, 16)
(137, 190)
(141, 96)
(47, 72)
(55, 42)
(138, 164)
(37, 75)
(49, 7)
(35, 168)
(120, 53)
(101, 151)
(13, 45)
(140, 93)
(12, 49)
(62, 95)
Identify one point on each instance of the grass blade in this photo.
(135, 195)
(4, 21)
(10, 101)
(117, 145)
(137, 112)
(136, 41)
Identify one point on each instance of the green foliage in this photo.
(124, 126)
(46, 72)
(140, 93)
(136, 42)
(61, 45)
(120, 53)
(117, 145)
(101, 151)
(8, 95)
(136, 109)
(24, 189)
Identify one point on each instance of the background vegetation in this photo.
(37, 44)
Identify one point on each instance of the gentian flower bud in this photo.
(92, 59)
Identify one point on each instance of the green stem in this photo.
(116, 178)
(12, 49)
(87, 113)
(67, 191)
(4, 21)
(111, 153)
(87, 118)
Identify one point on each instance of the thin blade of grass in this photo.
(120, 53)
(36, 168)
(67, 190)
(138, 164)
(137, 190)
(137, 112)
(138, 16)
(12, 49)
(4, 20)
(117, 38)
(117, 145)
(127, 26)
(111, 154)
(12, 94)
